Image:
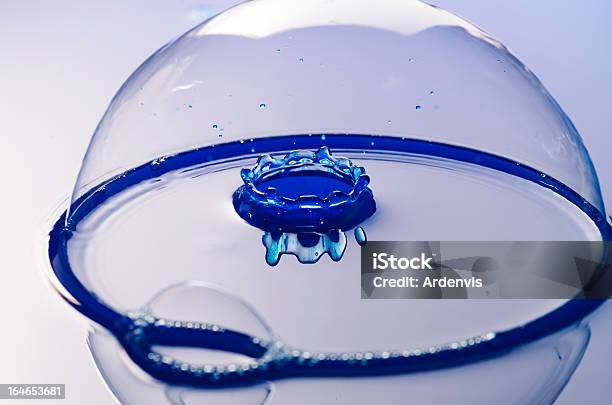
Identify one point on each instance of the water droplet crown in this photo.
(304, 191)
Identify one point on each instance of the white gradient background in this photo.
(62, 61)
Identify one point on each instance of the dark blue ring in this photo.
(138, 340)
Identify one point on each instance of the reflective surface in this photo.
(80, 88)
(542, 138)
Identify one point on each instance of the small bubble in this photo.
(389, 122)
(220, 135)
(431, 92)
(371, 143)
(301, 60)
(323, 137)
(417, 107)
(252, 150)
(242, 141)
(410, 59)
(190, 106)
(215, 126)
(262, 106)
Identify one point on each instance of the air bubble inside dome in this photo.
(394, 67)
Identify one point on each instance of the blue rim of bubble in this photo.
(138, 334)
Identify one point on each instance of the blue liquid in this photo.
(118, 324)
(304, 202)
(339, 142)
(360, 236)
(307, 247)
(321, 184)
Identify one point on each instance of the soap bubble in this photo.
(380, 84)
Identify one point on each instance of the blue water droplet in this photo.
(262, 106)
(360, 236)
(417, 107)
(275, 187)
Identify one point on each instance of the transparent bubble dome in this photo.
(426, 103)
(401, 68)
